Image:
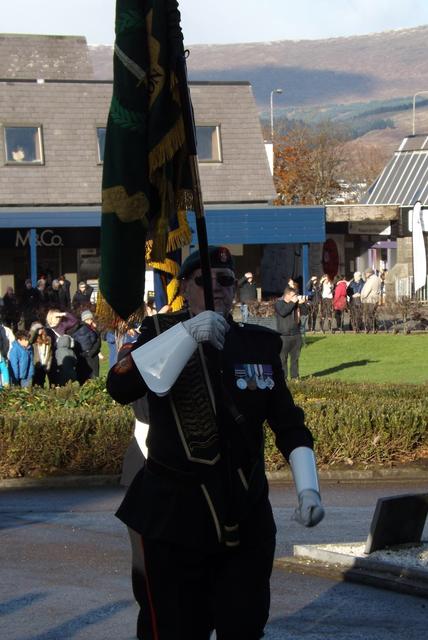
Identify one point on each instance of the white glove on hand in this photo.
(310, 510)
(208, 326)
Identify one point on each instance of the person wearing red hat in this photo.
(198, 512)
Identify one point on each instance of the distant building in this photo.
(53, 113)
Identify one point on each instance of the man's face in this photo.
(223, 294)
(290, 296)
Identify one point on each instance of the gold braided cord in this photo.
(175, 301)
(168, 266)
(172, 268)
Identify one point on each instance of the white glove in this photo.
(208, 326)
(310, 510)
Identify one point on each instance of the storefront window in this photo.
(23, 145)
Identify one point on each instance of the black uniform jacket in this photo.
(168, 497)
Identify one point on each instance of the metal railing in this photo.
(404, 288)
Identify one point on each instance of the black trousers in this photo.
(184, 594)
(291, 346)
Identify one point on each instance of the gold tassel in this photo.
(113, 320)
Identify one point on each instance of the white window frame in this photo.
(217, 155)
(98, 127)
(38, 140)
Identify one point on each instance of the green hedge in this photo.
(362, 424)
(79, 430)
(68, 430)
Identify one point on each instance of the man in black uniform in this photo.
(199, 516)
(247, 293)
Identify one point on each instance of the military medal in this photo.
(241, 383)
(269, 383)
(260, 381)
(250, 377)
(252, 384)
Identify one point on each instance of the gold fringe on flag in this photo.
(112, 320)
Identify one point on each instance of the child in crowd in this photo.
(4, 348)
(66, 360)
(21, 367)
(42, 353)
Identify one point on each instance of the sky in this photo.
(221, 21)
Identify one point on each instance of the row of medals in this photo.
(254, 379)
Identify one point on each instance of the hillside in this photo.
(370, 67)
(347, 75)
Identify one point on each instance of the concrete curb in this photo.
(60, 482)
(326, 475)
(338, 566)
(350, 475)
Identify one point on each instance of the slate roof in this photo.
(244, 174)
(48, 57)
(69, 114)
(70, 104)
(404, 180)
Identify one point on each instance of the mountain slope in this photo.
(357, 68)
(322, 78)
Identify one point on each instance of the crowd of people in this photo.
(325, 304)
(327, 299)
(48, 337)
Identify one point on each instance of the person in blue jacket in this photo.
(21, 367)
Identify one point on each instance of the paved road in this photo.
(64, 572)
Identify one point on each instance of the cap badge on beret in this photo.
(223, 254)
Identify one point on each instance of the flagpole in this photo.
(198, 205)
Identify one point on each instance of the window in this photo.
(23, 145)
(208, 139)
(101, 137)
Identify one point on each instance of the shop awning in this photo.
(231, 224)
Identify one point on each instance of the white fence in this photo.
(404, 289)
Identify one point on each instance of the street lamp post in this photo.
(414, 110)
(271, 111)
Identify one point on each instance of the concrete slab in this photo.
(403, 568)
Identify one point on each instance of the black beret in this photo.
(219, 257)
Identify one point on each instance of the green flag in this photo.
(145, 160)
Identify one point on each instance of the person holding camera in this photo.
(287, 311)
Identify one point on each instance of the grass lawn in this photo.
(366, 357)
(358, 358)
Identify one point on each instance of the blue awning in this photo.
(226, 224)
(47, 217)
(242, 224)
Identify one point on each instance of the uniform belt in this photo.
(159, 469)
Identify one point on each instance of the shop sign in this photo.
(46, 238)
(372, 228)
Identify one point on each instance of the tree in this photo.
(364, 163)
(308, 164)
